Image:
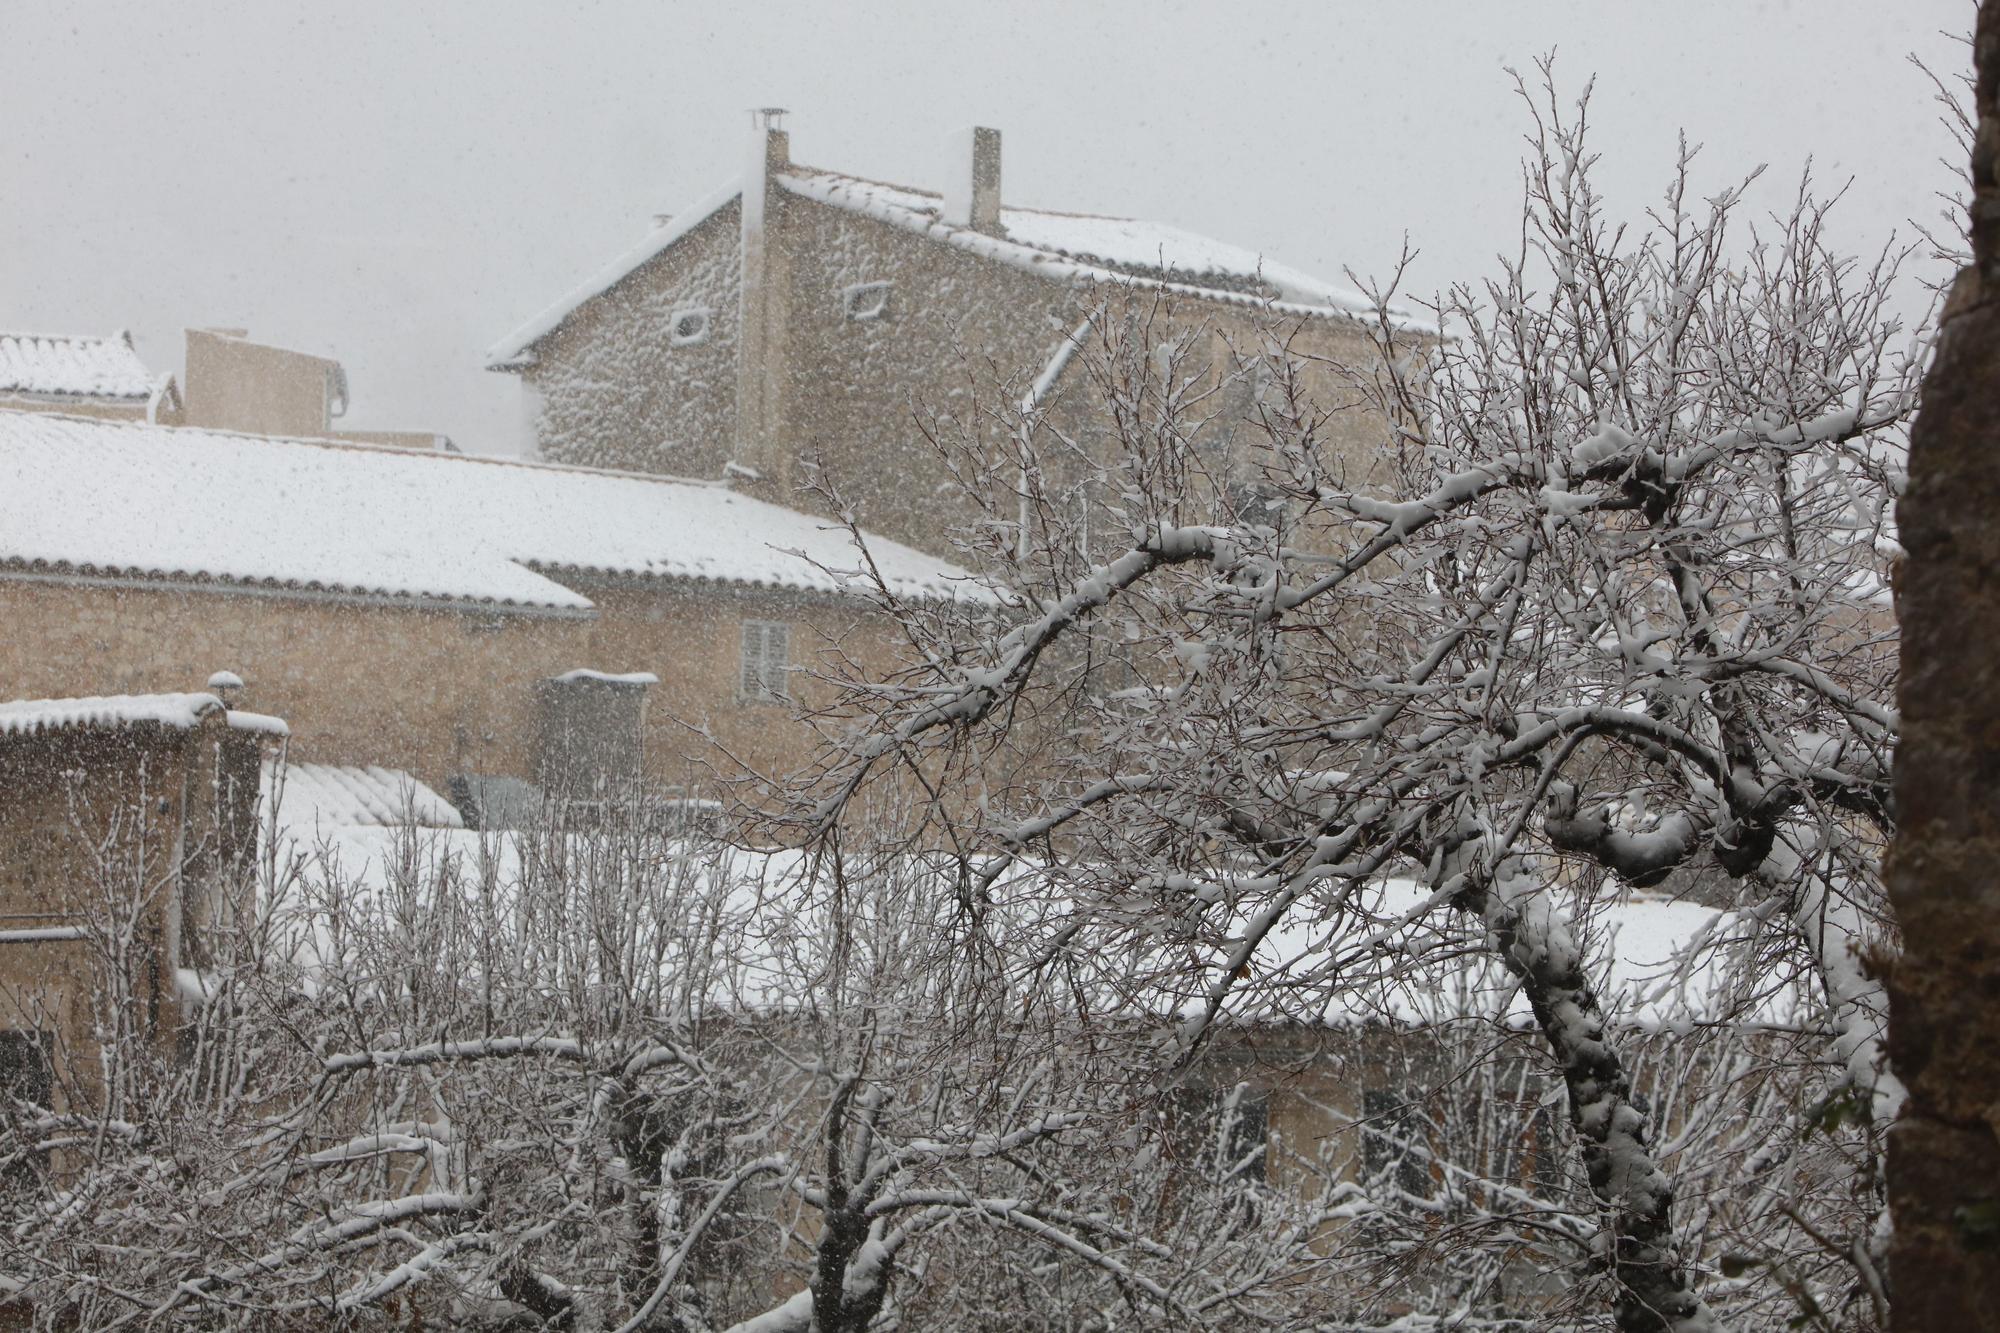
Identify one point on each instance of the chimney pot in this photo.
(226, 686)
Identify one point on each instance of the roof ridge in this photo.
(366, 448)
(1005, 207)
(120, 336)
(865, 180)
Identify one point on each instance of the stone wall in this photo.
(957, 334)
(436, 692)
(234, 384)
(619, 391)
(101, 824)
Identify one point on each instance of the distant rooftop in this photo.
(93, 498)
(1087, 244)
(179, 712)
(329, 796)
(73, 365)
(1065, 247)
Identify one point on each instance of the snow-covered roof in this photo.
(73, 366)
(1092, 248)
(109, 499)
(1066, 247)
(329, 796)
(29, 717)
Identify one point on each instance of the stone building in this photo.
(128, 810)
(236, 384)
(799, 312)
(463, 619)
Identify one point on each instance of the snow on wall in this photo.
(617, 389)
(609, 677)
(27, 717)
(113, 499)
(84, 367)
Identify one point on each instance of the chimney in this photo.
(760, 447)
(226, 686)
(972, 182)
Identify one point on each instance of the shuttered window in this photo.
(767, 660)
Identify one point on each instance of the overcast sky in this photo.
(398, 185)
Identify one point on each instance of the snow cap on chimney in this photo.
(226, 686)
(770, 151)
(972, 180)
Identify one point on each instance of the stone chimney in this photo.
(972, 180)
(226, 686)
(761, 449)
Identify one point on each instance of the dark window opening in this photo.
(592, 734)
(26, 1074)
(689, 326)
(1222, 1133)
(1392, 1142)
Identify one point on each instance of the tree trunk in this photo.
(1944, 1019)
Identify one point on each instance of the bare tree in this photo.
(610, 1076)
(1589, 592)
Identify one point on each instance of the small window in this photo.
(25, 1074)
(1221, 1132)
(866, 300)
(27, 1080)
(688, 326)
(767, 661)
(1393, 1139)
(1549, 1177)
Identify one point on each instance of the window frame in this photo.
(1386, 1116)
(855, 308)
(756, 683)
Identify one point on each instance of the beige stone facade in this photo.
(805, 315)
(239, 385)
(441, 693)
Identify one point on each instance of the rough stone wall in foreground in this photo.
(1944, 877)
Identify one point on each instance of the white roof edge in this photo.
(607, 677)
(510, 353)
(29, 717)
(262, 723)
(831, 188)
